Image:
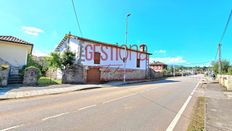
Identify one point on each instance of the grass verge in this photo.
(44, 81)
(198, 116)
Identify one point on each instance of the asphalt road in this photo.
(150, 106)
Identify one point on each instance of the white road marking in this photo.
(10, 128)
(55, 116)
(83, 108)
(115, 99)
(180, 112)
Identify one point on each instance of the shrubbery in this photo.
(230, 70)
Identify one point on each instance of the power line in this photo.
(225, 29)
(77, 20)
(220, 43)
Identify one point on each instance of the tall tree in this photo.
(225, 66)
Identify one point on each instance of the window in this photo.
(138, 63)
(97, 57)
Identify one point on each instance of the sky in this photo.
(183, 32)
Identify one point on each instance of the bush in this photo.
(230, 70)
(41, 63)
(4, 67)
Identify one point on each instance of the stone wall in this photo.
(54, 74)
(4, 72)
(154, 75)
(110, 74)
(74, 75)
(226, 81)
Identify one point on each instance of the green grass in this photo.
(198, 116)
(44, 81)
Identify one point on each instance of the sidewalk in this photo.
(19, 91)
(218, 107)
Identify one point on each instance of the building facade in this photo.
(106, 62)
(158, 66)
(158, 69)
(15, 51)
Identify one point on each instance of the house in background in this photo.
(103, 61)
(158, 69)
(15, 52)
(158, 66)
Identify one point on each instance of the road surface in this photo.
(149, 106)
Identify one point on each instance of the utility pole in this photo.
(219, 59)
(220, 44)
(124, 59)
(174, 71)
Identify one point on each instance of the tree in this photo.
(54, 60)
(68, 58)
(38, 62)
(61, 61)
(225, 66)
(230, 70)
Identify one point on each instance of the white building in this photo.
(14, 51)
(104, 62)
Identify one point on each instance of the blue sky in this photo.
(176, 31)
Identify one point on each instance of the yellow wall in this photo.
(14, 53)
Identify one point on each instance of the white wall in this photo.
(112, 57)
(15, 55)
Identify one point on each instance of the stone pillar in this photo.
(31, 76)
(4, 74)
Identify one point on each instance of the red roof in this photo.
(14, 39)
(157, 64)
(94, 41)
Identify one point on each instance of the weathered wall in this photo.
(73, 75)
(225, 80)
(109, 74)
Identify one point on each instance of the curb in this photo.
(53, 91)
(43, 92)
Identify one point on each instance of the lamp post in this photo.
(124, 59)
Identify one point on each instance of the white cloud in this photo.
(39, 53)
(31, 30)
(161, 51)
(170, 60)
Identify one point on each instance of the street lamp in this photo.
(124, 60)
(129, 14)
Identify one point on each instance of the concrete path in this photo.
(218, 108)
(150, 106)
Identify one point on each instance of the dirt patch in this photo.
(198, 116)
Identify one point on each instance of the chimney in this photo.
(143, 48)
